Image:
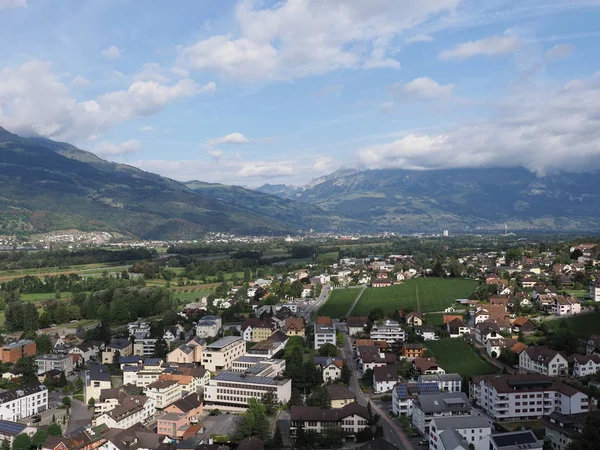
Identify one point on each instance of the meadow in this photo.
(456, 356)
(423, 294)
(583, 325)
(339, 302)
(192, 295)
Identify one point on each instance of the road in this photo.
(81, 416)
(392, 431)
(307, 313)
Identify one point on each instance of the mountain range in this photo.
(48, 186)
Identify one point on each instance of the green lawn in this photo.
(424, 294)
(436, 319)
(191, 296)
(339, 302)
(328, 257)
(2, 319)
(583, 324)
(43, 296)
(456, 356)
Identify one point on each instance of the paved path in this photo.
(392, 430)
(356, 300)
(81, 416)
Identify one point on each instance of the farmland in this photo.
(584, 325)
(424, 294)
(456, 356)
(339, 302)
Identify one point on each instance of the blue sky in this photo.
(248, 92)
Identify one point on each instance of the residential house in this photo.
(584, 365)
(331, 368)
(136, 437)
(351, 419)
(164, 392)
(592, 345)
(384, 379)
(88, 350)
(220, 354)
(137, 409)
(122, 347)
(179, 416)
(411, 351)
(543, 360)
(188, 353)
(257, 330)
(414, 318)
(563, 429)
(524, 396)
(271, 346)
(97, 378)
(404, 394)
(431, 406)
(457, 328)
(372, 357)
(529, 282)
(427, 366)
(427, 332)
(357, 325)
(209, 326)
(390, 332)
(294, 326)
(340, 395)
(446, 382)
(514, 440)
(595, 289)
(9, 430)
(523, 325)
(381, 282)
(471, 428)
(487, 330)
(565, 306)
(11, 353)
(173, 333)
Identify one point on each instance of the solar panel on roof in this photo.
(11, 428)
(428, 388)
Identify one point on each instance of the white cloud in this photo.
(558, 52)
(151, 72)
(13, 4)
(216, 154)
(146, 128)
(299, 38)
(80, 82)
(419, 38)
(106, 148)
(422, 88)
(540, 130)
(233, 138)
(112, 52)
(489, 46)
(36, 102)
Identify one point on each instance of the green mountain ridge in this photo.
(48, 186)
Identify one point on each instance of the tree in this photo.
(319, 397)
(43, 344)
(346, 374)
(278, 438)
(328, 350)
(91, 402)
(62, 380)
(591, 433)
(161, 349)
(296, 398)
(296, 289)
(438, 269)
(28, 369)
(21, 442)
(5, 445)
(254, 422)
(368, 376)
(563, 339)
(66, 402)
(39, 438)
(373, 417)
(271, 403)
(54, 429)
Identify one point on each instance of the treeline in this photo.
(30, 284)
(66, 258)
(115, 305)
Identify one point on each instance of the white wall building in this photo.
(97, 377)
(23, 402)
(220, 354)
(209, 326)
(125, 415)
(446, 382)
(389, 332)
(163, 392)
(324, 334)
(431, 406)
(46, 363)
(543, 360)
(472, 428)
(585, 365)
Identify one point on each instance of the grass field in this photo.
(187, 297)
(328, 258)
(456, 356)
(43, 296)
(339, 302)
(436, 319)
(424, 294)
(583, 324)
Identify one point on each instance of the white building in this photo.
(46, 363)
(431, 406)
(97, 377)
(247, 362)
(137, 410)
(389, 332)
(324, 334)
(525, 397)
(446, 382)
(22, 402)
(144, 347)
(384, 378)
(585, 365)
(163, 392)
(220, 354)
(595, 290)
(543, 360)
(209, 326)
(231, 390)
(351, 418)
(139, 328)
(565, 306)
(472, 428)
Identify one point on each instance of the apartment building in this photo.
(208, 326)
(404, 394)
(164, 392)
(565, 305)
(62, 363)
(11, 353)
(144, 347)
(446, 382)
(191, 379)
(525, 396)
(137, 409)
(431, 406)
(324, 334)
(389, 332)
(351, 418)
(220, 354)
(256, 330)
(122, 347)
(543, 360)
(562, 429)
(231, 390)
(188, 353)
(179, 416)
(584, 365)
(97, 378)
(25, 401)
(471, 428)
(276, 367)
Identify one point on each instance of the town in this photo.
(380, 343)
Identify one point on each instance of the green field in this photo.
(456, 356)
(339, 302)
(583, 324)
(436, 319)
(43, 296)
(328, 258)
(187, 297)
(424, 294)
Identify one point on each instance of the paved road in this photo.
(317, 304)
(392, 431)
(81, 416)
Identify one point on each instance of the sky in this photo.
(248, 92)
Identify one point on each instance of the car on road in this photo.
(424, 442)
(36, 419)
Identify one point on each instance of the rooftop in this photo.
(234, 377)
(516, 440)
(461, 422)
(446, 401)
(224, 342)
